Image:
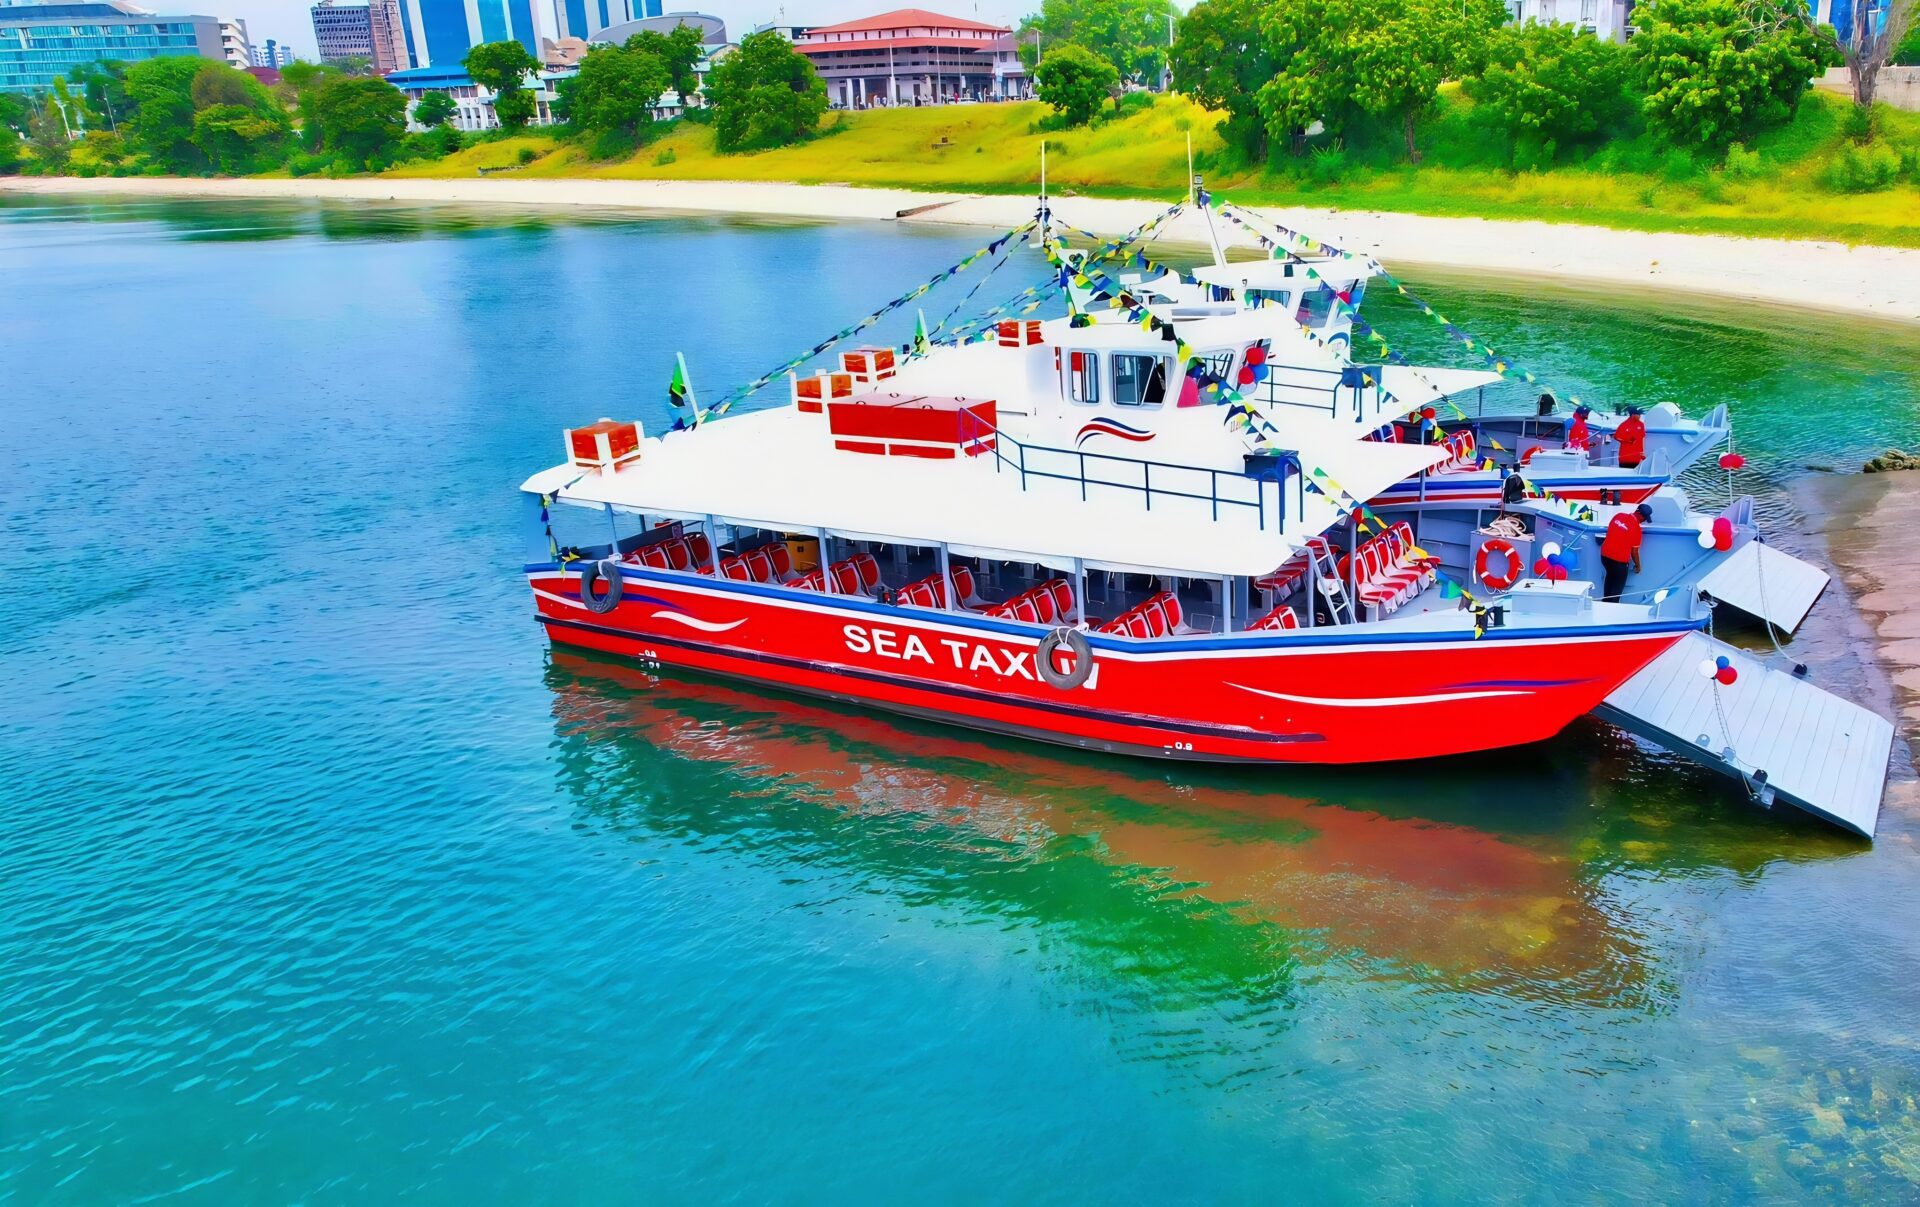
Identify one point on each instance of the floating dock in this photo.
(1765, 583)
(1785, 738)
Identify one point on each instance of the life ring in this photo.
(1499, 582)
(1074, 640)
(1527, 456)
(601, 604)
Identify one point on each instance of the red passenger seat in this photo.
(1281, 617)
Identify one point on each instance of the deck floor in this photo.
(1764, 582)
(1821, 753)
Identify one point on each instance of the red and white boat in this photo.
(1032, 536)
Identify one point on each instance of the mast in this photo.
(1045, 215)
(1198, 196)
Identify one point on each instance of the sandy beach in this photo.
(1880, 282)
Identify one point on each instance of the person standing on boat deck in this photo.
(1621, 549)
(1578, 436)
(1632, 435)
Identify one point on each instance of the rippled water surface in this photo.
(323, 879)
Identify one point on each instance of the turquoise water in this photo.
(322, 878)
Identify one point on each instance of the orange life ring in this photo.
(1499, 582)
(1528, 455)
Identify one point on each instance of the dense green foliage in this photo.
(678, 52)
(504, 67)
(765, 94)
(1129, 34)
(1547, 87)
(359, 119)
(13, 113)
(1226, 51)
(433, 109)
(1717, 72)
(1075, 82)
(616, 90)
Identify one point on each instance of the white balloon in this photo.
(1549, 549)
(1706, 540)
(1709, 668)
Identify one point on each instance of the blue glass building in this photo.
(40, 43)
(441, 32)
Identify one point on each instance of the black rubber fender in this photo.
(616, 582)
(1082, 649)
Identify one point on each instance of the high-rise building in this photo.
(272, 54)
(40, 43)
(235, 47)
(371, 31)
(586, 18)
(441, 32)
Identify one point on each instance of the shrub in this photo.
(1742, 164)
(527, 155)
(1551, 85)
(1716, 72)
(1858, 169)
(1326, 165)
(664, 156)
(304, 164)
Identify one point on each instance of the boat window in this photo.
(1139, 381)
(1219, 361)
(1219, 293)
(1269, 297)
(1083, 377)
(1315, 305)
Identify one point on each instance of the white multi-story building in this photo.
(235, 47)
(1611, 20)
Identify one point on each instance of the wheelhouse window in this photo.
(1083, 377)
(1139, 381)
(1315, 305)
(1269, 297)
(1219, 362)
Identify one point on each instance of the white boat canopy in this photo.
(777, 470)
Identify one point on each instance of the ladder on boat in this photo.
(1785, 738)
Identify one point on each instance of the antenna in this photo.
(1046, 225)
(1190, 176)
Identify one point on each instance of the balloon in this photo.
(1557, 574)
(1723, 543)
(1706, 539)
(1260, 372)
(1722, 662)
(1540, 568)
(1732, 461)
(1256, 355)
(1549, 549)
(1726, 675)
(1708, 670)
(1722, 526)
(1427, 412)
(1245, 376)
(1553, 559)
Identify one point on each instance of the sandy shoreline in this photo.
(1882, 282)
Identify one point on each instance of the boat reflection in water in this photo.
(1246, 874)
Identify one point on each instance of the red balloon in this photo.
(1256, 355)
(1556, 574)
(1732, 461)
(1722, 526)
(1726, 675)
(1246, 376)
(1723, 543)
(1427, 412)
(1540, 568)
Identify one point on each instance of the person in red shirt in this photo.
(1577, 433)
(1632, 435)
(1621, 549)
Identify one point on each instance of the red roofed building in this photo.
(912, 57)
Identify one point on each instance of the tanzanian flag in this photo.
(677, 390)
(920, 339)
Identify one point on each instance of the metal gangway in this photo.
(1783, 737)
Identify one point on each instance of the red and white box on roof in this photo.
(811, 394)
(1019, 333)
(605, 445)
(894, 425)
(868, 365)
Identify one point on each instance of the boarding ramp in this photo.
(1763, 582)
(1785, 738)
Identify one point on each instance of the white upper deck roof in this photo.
(777, 469)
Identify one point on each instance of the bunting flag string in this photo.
(1006, 255)
(774, 374)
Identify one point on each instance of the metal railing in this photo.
(1322, 389)
(1244, 488)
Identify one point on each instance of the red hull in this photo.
(1331, 696)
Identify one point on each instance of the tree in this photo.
(160, 95)
(1877, 35)
(11, 152)
(360, 119)
(1225, 52)
(1551, 86)
(237, 139)
(617, 89)
(13, 113)
(764, 94)
(433, 109)
(48, 131)
(104, 85)
(1075, 82)
(678, 52)
(1129, 34)
(1717, 72)
(503, 68)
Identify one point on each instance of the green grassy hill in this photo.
(1782, 188)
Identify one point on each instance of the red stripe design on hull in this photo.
(1310, 699)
